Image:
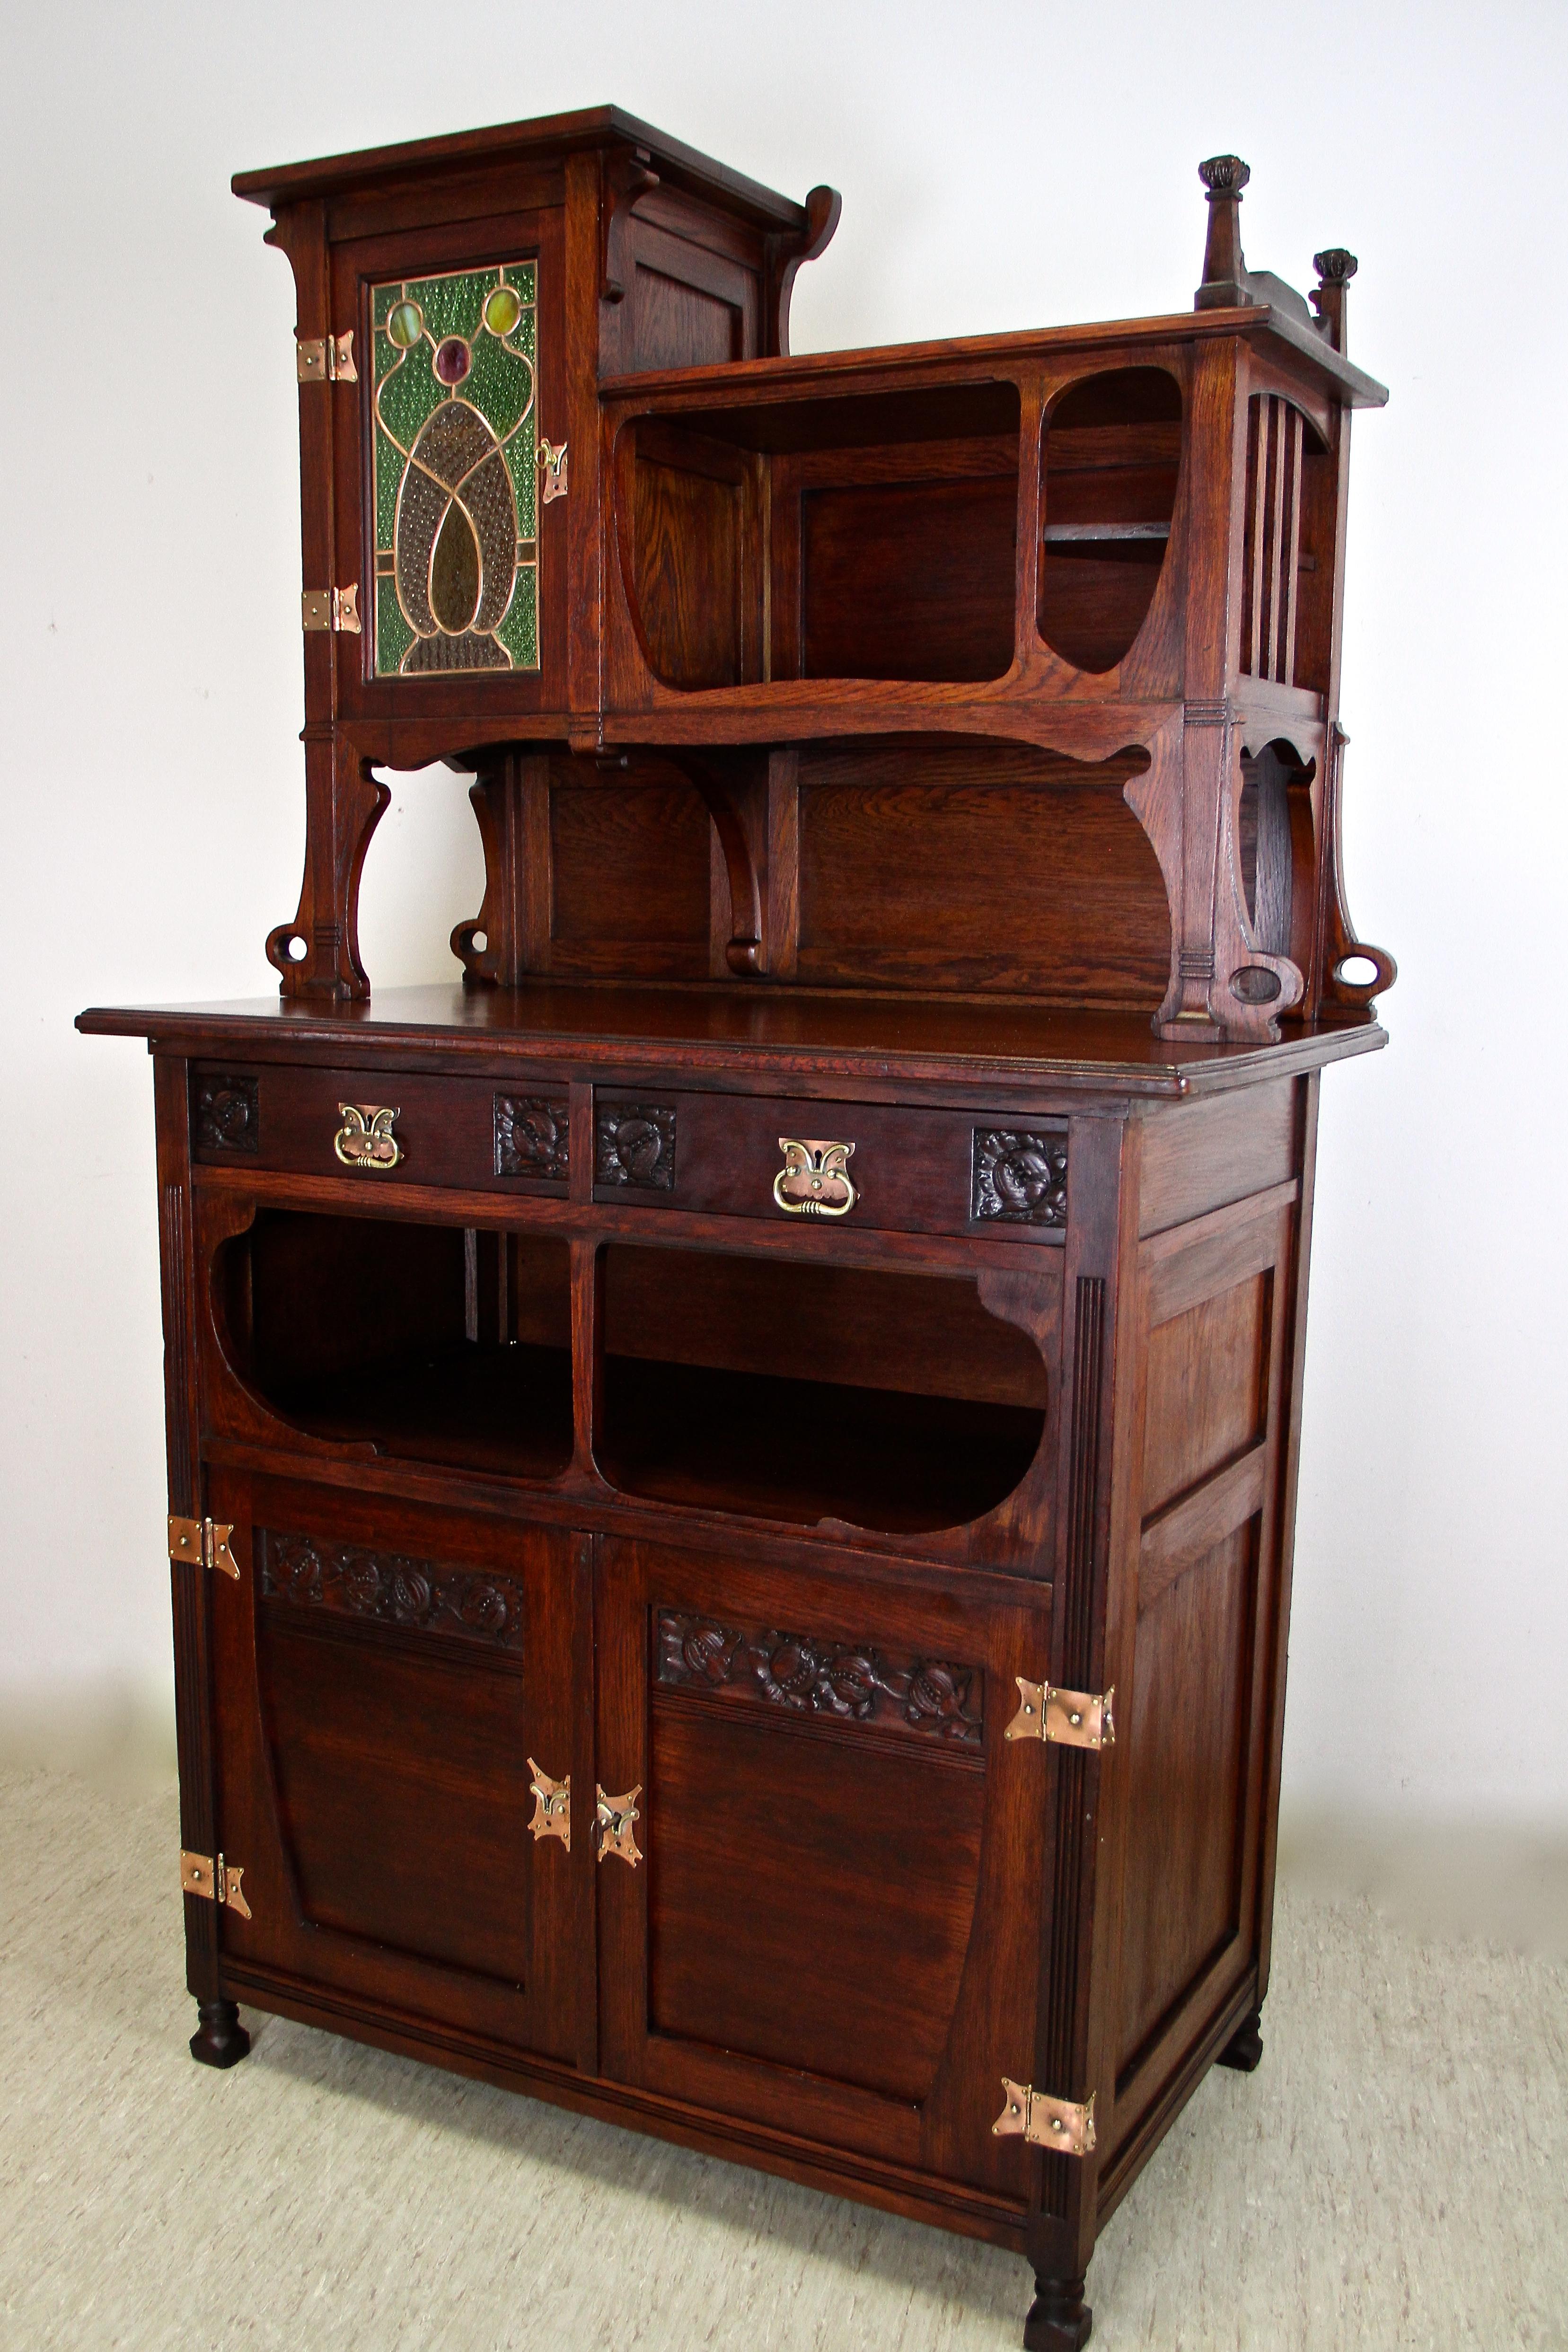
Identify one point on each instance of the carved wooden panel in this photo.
(849, 1682)
(1020, 1179)
(531, 1137)
(391, 1589)
(635, 1145)
(227, 1114)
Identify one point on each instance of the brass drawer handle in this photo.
(814, 1179)
(365, 1139)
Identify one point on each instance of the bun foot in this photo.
(1245, 2047)
(1060, 2320)
(220, 2039)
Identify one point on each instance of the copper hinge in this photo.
(1045, 2121)
(202, 1543)
(330, 608)
(326, 359)
(1072, 1718)
(552, 1806)
(614, 1820)
(214, 1881)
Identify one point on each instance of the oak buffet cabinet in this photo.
(733, 1472)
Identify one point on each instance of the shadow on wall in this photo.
(1502, 1883)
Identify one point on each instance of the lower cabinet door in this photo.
(825, 1917)
(383, 1675)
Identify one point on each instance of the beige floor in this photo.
(1396, 2173)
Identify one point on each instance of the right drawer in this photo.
(861, 1164)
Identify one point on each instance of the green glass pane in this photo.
(451, 305)
(382, 298)
(519, 629)
(522, 465)
(408, 393)
(499, 383)
(388, 476)
(393, 634)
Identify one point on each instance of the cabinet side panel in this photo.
(1208, 1154)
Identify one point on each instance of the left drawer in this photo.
(382, 1126)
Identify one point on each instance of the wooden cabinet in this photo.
(733, 1472)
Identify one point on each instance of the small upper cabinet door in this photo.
(454, 496)
(832, 1924)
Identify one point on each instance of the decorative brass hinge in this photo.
(327, 359)
(217, 1880)
(614, 1824)
(553, 463)
(1072, 1718)
(330, 608)
(202, 1543)
(1045, 2121)
(552, 1806)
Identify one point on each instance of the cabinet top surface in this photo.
(503, 142)
(767, 1035)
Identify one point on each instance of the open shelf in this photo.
(431, 1343)
(1110, 461)
(792, 1392)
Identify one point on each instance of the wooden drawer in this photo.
(923, 1172)
(507, 1136)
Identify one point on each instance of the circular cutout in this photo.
(1355, 971)
(453, 360)
(479, 942)
(1255, 984)
(296, 949)
(503, 309)
(406, 324)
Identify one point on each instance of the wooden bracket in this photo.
(744, 850)
(628, 177)
(785, 252)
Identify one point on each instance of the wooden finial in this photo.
(1335, 270)
(1225, 267)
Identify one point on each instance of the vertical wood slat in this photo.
(1272, 538)
(536, 880)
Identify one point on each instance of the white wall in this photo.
(1002, 166)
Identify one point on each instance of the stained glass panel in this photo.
(456, 431)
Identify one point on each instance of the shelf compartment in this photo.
(432, 1343)
(801, 1394)
(870, 538)
(1110, 464)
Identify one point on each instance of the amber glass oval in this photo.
(455, 571)
(1109, 464)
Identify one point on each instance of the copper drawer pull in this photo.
(814, 1179)
(365, 1139)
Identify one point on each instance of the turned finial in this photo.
(1225, 270)
(1335, 268)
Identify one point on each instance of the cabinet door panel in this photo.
(383, 1675)
(835, 1926)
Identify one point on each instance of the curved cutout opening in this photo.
(1356, 971)
(1275, 848)
(430, 1342)
(1110, 466)
(778, 1390)
(1255, 984)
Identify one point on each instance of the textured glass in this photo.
(455, 488)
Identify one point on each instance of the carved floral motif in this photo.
(392, 1589)
(1019, 1179)
(826, 1678)
(531, 1138)
(636, 1146)
(227, 1114)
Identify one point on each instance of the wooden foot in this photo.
(1060, 2320)
(220, 2039)
(1245, 2047)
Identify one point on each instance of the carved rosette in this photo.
(635, 1145)
(392, 1589)
(531, 1137)
(1019, 1179)
(847, 1681)
(227, 1114)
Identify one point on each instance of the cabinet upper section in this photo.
(562, 477)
